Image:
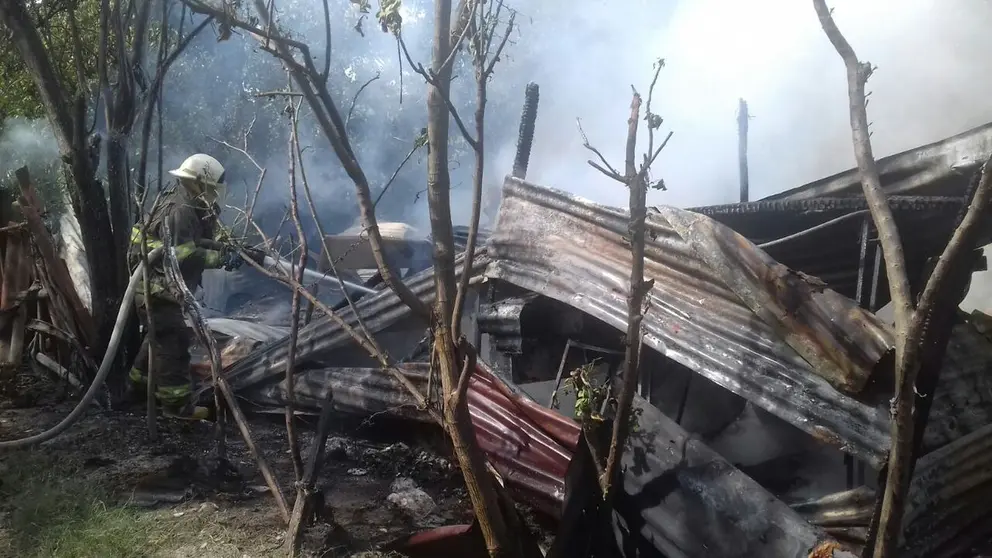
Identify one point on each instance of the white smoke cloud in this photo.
(930, 84)
(25, 142)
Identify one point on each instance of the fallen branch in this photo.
(294, 328)
(64, 336)
(59, 371)
(192, 311)
(303, 506)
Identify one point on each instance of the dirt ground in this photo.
(102, 489)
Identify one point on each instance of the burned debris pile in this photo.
(764, 309)
(43, 322)
(763, 403)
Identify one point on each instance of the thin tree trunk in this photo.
(457, 421)
(912, 325)
(635, 300)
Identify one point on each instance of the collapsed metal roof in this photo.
(720, 306)
(554, 244)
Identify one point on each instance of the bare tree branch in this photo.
(912, 331)
(192, 311)
(294, 328)
(416, 147)
(354, 100)
(483, 70)
(327, 42)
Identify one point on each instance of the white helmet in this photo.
(205, 172)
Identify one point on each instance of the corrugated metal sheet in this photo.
(528, 444)
(948, 504)
(565, 248)
(842, 342)
(947, 507)
(962, 402)
(833, 253)
(248, 330)
(323, 335)
(941, 168)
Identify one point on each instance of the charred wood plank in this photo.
(61, 282)
(16, 280)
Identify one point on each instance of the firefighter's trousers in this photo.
(173, 378)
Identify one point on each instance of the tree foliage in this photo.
(20, 95)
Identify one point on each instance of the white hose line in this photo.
(101, 376)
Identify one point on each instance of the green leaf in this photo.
(420, 140)
(389, 16)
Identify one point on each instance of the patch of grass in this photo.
(51, 511)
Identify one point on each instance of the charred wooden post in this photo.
(62, 285)
(742, 118)
(525, 139)
(17, 265)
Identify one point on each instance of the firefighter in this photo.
(191, 209)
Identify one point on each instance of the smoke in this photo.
(930, 84)
(585, 55)
(25, 142)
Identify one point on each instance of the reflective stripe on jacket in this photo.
(183, 251)
(157, 282)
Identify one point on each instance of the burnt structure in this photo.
(760, 325)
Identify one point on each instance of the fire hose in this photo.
(123, 314)
(311, 275)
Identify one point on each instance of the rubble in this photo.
(407, 496)
(749, 309)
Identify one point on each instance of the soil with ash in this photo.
(179, 478)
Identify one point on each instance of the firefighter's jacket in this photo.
(190, 220)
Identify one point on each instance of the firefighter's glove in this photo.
(231, 260)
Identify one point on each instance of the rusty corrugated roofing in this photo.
(833, 253)
(529, 445)
(842, 342)
(324, 335)
(571, 250)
